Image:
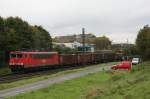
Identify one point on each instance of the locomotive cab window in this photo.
(13, 56)
(16, 55)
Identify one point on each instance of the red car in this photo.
(20, 60)
(123, 65)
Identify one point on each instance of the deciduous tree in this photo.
(143, 42)
(102, 43)
(16, 34)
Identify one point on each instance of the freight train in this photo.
(24, 60)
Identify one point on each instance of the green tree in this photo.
(130, 50)
(23, 31)
(64, 50)
(2, 38)
(143, 42)
(1, 32)
(102, 43)
(42, 38)
(16, 34)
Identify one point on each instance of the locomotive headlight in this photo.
(21, 63)
(11, 63)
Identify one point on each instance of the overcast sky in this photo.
(118, 19)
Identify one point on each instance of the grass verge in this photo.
(35, 79)
(102, 85)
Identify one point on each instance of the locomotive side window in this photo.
(13, 55)
(19, 55)
(41, 56)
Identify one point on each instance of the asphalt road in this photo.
(46, 83)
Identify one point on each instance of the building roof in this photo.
(72, 38)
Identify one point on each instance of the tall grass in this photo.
(103, 85)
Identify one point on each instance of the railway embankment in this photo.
(62, 75)
(134, 84)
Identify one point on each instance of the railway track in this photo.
(16, 77)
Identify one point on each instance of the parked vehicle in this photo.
(123, 65)
(136, 61)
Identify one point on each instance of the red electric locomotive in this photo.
(21, 60)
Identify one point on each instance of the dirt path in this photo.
(46, 83)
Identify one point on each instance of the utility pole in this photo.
(127, 50)
(83, 39)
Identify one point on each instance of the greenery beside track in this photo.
(35, 78)
(101, 85)
(5, 70)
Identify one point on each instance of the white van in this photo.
(135, 61)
